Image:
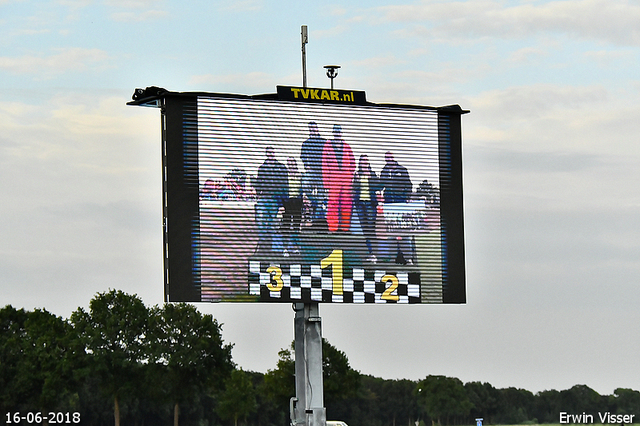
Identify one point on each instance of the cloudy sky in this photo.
(551, 167)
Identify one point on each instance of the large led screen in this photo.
(285, 201)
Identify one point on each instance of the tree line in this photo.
(122, 362)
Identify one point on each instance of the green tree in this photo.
(340, 381)
(113, 334)
(278, 386)
(369, 406)
(398, 401)
(238, 399)
(547, 406)
(279, 383)
(443, 397)
(581, 398)
(484, 399)
(35, 360)
(627, 401)
(12, 336)
(187, 352)
(49, 359)
(514, 405)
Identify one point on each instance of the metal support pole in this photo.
(305, 40)
(309, 402)
(307, 407)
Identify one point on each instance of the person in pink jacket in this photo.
(338, 165)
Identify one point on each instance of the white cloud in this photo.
(607, 57)
(75, 4)
(329, 32)
(240, 5)
(533, 101)
(147, 15)
(68, 59)
(135, 4)
(137, 10)
(379, 62)
(570, 149)
(435, 85)
(337, 10)
(243, 83)
(611, 21)
(95, 137)
(84, 199)
(527, 55)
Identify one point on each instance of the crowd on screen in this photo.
(322, 197)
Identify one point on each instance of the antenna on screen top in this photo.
(305, 40)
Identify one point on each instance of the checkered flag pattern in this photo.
(279, 282)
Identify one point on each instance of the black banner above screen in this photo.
(310, 94)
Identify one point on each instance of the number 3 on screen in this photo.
(334, 260)
(276, 283)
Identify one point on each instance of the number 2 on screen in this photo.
(393, 286)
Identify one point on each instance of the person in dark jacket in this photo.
(311, 156)
(272, 188)
(292, 216)
(398, 188)
(395, 181)
(365, 187)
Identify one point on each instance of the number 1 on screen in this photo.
(335, 261)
